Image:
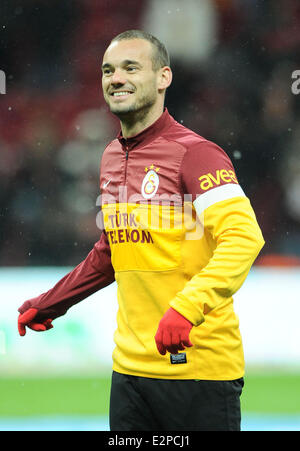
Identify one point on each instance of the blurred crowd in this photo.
(232, 61)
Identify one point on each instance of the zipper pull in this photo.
(126, 153)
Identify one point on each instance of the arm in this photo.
(226, 214)
(94, 273)
(238, 239)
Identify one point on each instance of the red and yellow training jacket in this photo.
(178, 231)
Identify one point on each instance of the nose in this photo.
(118, 78)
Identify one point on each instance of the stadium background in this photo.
(233, 62)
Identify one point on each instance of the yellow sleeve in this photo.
(238, 240)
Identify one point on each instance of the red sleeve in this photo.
(205, 166)
(94, 273)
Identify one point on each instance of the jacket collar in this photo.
(148, 134)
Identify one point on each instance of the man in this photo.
(179, 239)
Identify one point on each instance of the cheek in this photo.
(149, 88)
(104, 84)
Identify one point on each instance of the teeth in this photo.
(122, 93)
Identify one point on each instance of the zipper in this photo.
(126, 160)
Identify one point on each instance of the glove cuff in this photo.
(26, 306)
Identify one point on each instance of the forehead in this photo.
(130, 49)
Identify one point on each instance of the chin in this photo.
(121, 110)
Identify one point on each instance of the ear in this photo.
(165, 77)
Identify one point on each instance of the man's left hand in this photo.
(173, 333)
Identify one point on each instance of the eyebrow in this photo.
(124, 63)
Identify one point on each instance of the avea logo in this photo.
(217, 178)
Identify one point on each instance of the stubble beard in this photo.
(134, 112)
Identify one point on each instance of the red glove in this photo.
(32, 319)
(173, 333)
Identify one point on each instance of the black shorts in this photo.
(146, 404)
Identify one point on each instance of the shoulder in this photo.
(110, 151)
(112, 146)
(204, 165)
(196, 149)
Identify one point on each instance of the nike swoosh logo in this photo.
(106, 184)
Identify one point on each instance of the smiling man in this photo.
(179, 238)
(135, 87)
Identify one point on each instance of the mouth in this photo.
(121, 95)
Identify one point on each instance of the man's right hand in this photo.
(30, 318)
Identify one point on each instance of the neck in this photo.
(139, 121)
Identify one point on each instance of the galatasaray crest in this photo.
(150, 182)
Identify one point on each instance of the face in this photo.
(129, 82)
